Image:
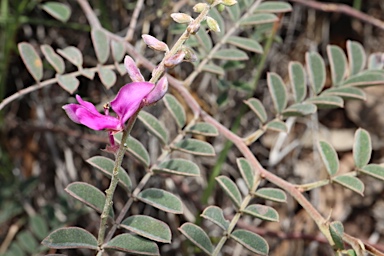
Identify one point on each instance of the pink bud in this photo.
(175, 59)
(158, 92)
(154, 43)
(133, 71)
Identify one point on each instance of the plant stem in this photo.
(312, 185)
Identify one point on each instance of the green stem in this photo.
(114, 180)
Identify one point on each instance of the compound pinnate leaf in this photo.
(337, 230)
(204, 129)
(216, 215)
(133, 244)
(31, 60)
(53, 58)
(256, 106)
(106, 165)
(246, 171)
(277, 126)
(245, 43)
(71, 237)
(178, 166)
(346, 93)
(262, 212)
(273, 194)
(118, 50)
(316, 71)
(362, 148)
(68, 82)
(89, 195)
(326, 101)
(211, 68)
(101, 43)
(251, 241)
(298, 80)
(350, 182)
(59, 11)
(274, 7)
(107, 76)
(176, 109)
(374, 170)
(356, 57)
(300, 109)
(195, 147)
(72, 54)
(278, 91)
(162, 200)
(329, 156)
(197, 235)
(135, 147)
(230, 189)
(148, 227)
(154, 126)
(338, 63)
(230, 54)
(365, 79)
(259, 18)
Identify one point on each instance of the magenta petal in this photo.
(70, 109)
(157, 93)
(129, 98)
(133, 71)
(86, 104)
(97, 121)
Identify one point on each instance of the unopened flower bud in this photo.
(158, 92)
(133, 72)
(154, 43)
(213, 25)
(181, 17)
(229, 2)
(175, 59)
(190, 55)
(199, 7)
(221, 7)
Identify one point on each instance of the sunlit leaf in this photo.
(350, 182)
(72, 54)
(101, 44)
(132, 244)
(68, 82)
(251, 241)
(197, 236)
(105, 165)
(338, 63)
(273, 194)
(31, 60)
(256, 106)
(262, 212)
(274, 7)
(148, 227)
(337, 230)
(298, 80)
(230, 54)
(364, 79)
(89, 195)
(216, 215)
(161, 199)
(195, 147)
(316, 71)
(176, 109)
(59, 11)
(154, 126)
(277, 126)
(246, 171)
(326, 101)
(230, 189)
(259, 18)
(356, 57)
(53, 58)
(204, 129)
(362, 148)
(135, 147)
(374, 170)
(118, 50)
(329, 156)
(300, 109)
(346, 93)
(278, 91)
(107, 76)
(245, 43)
(88, 73)
(178, 166)
(71, 237)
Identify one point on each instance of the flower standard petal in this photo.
(129, 98)
(97, 121)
